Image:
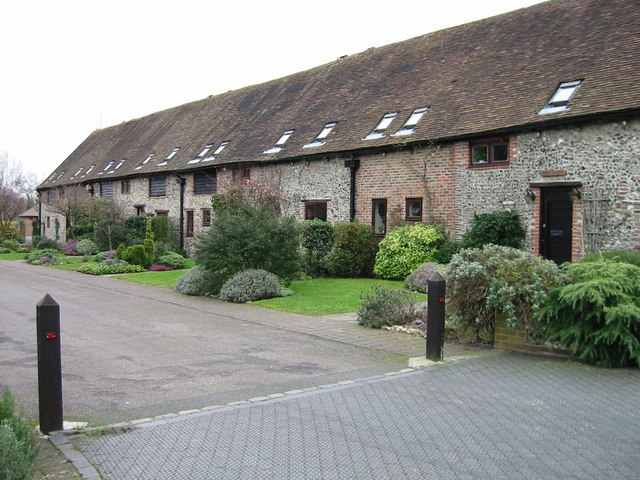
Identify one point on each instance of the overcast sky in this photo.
(72, 66)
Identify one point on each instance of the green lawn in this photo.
(157, 279)
(323, 296)
(12, 256)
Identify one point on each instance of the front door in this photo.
(556, 220)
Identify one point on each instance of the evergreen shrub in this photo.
(102, 256)
(136, 255)
(317, 242)
(406, 248)
(46, 243)
(597, 314)
(11, 244)
(194, 282)
(354, 250)
(135, 228)
(384, 306)
(498, 228)
(250, 285)
(483, 282)
(173, 260)
(45, 256)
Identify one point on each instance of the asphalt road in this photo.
(131, 351)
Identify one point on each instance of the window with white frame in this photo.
(560, 100)
(378, 132)
(410, 125)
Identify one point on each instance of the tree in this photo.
(17, 191)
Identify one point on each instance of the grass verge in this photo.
(157, 279)
(12, 256)
(325, 296)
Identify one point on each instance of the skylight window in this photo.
(116, 168)
(77, 173)
(145, 161)
(169, 157)
(60, 176)
(378, 132)
(410, 125)
(281, 141)
(559, 101)
(106, 168)
(201, 155)
(319, 140)
(88, 171)
(216, 152)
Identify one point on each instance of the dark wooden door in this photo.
(556, 224)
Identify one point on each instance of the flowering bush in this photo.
(70, 248)
(406, 248)
(417, 280)
(160, 268)
(483, 282)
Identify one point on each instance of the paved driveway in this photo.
(132, 351)
(499, 416)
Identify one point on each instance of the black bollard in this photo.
(436, 289)
(49, 364)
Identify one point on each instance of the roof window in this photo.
(169, 157)
(216, 152)
(145, 161)
(77, 173)
(281, 141)
(559, 101)
(106, 168)
(319, 140)
(202, 153)
(378, 132)
(410, 125)
(88, 171)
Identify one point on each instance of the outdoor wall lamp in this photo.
(89, 188)
(529, 196)
(575, 194)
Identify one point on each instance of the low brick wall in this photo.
(515, 340)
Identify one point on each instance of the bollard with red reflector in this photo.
(436, 289)
(49, 364)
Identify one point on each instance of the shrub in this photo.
(23, 248)
(46, 243)
(86, 247)
(135, 228)
(194, 282)
(160, 268)
(120, 251)
(250, 285)
(417, 280)
(354, 250)
(137, 255)
(625, 256)
(173, 260)
(447, 251)
(483, 282)
(110, 269)
(317, 241)
(149, 241)
(70, 248)
(498, 228)
(43, 257)
(406, 248)
(18, 448)
(248, 237)
(167, 237)
(597, 314)
(384, 306)
(80, 230)
(102, 256)
(11, 244)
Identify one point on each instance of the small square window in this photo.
(241, 174)
(315, 211)
(414, 209)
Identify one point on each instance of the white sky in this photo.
(72, 66)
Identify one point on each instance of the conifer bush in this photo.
(317, 243)
(631, 256)
(597, 314)
(354, 251)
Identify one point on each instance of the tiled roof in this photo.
(491, 75)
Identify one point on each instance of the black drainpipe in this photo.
(182, 182)
(353, 164)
